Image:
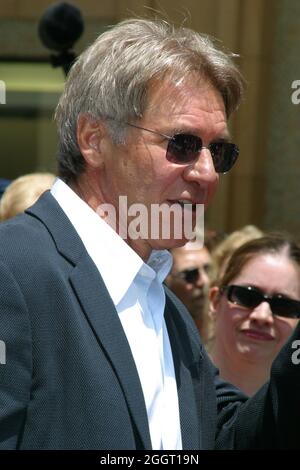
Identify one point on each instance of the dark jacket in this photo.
(70, 381)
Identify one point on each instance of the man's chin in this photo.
(169, 244)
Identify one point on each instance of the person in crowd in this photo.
(99, 354)
(189, 280)
(223, 250)
(3, 185)
(255, 307)
(23, 193)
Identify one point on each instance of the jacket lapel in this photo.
(187, 360)
(103, 318)
(98, 308)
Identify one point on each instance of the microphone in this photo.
(60, 26)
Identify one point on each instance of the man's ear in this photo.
(214, 299)
(89, 137)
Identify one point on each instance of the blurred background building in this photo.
(264, 187)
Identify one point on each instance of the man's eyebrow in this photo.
(224, 138)
(195, 131)
(180, 130)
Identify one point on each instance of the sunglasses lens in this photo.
(249, 297)
(285, 307)
(244, 296)
(183, 148)
(224, 156)
(191, 275)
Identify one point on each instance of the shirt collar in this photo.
(116, 261)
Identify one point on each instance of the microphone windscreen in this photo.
(60, 26)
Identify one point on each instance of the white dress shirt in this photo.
(138, 295)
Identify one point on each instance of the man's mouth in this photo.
(185, 204)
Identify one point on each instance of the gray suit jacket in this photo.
(70, 381)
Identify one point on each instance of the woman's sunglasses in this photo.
(250, 297)
(184, 149)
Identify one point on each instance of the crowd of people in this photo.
(23, 192)
(244, 298)
(102, 329)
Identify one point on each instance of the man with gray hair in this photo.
(99, 354)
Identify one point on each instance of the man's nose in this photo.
(202, 171)
(202, 278)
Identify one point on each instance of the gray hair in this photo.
(111, 79)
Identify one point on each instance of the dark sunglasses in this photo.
(191, 276)
(250, 297)
(184, 149)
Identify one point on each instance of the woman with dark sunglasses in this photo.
(255, 306)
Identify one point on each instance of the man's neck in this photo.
(94, 198)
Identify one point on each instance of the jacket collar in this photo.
(187, 363)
